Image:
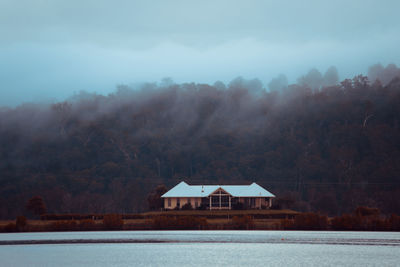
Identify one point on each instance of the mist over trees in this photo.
(319, 145)
(383, 74)
(315, 80)
(279, 83)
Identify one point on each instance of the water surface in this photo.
(202, 248)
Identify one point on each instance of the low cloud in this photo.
(49, 50)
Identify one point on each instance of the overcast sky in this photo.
(50, 49)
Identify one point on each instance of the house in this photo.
(218, 196)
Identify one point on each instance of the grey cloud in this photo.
(190, 21)
(49, 49)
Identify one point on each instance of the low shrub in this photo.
(202, 207)
(87, 225)
(179, 223)
(306, 221)
(350, 222)
(238, 206)
(67, 225)
(367, 211)
(132, 216)
(287, 224)
(311, 221)
(113, 222)
(242, 222)
(8, 228)
(394, 222)
(187, 206)
(63, 217)
(21, 223)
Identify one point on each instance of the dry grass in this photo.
(137, 221)
(30, 222)
(220, 212)
(216, 219)
(4, 223)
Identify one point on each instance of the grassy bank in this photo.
(172, 220)
(210, 214)
(156, 223)
(360, 220)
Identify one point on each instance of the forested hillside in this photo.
(318, 147)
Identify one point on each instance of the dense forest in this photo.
(319, 145)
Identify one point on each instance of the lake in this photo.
(200, 248)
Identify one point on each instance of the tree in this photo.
(20, 223)
(154, 199)
(313, 79)
(279, 83)
(36, 205)
(331, 77)
(360, 81)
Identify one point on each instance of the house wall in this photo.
(183, 201)
(259, 202)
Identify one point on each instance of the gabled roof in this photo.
(184, 190)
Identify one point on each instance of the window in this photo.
(169, 202)
(214, 201)
(224, 201)
(252, 202)
(196, 204)
(189, 200)
(178, 202)
(205, 201)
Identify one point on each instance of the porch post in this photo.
(219, 199)
(210, 202)
(229, 202)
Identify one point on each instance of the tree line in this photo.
(319, 146)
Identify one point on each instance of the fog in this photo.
(50, 50)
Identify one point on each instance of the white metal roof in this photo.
(184, 190)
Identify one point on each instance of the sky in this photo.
(52, 49)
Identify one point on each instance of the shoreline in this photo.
(205, 220)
